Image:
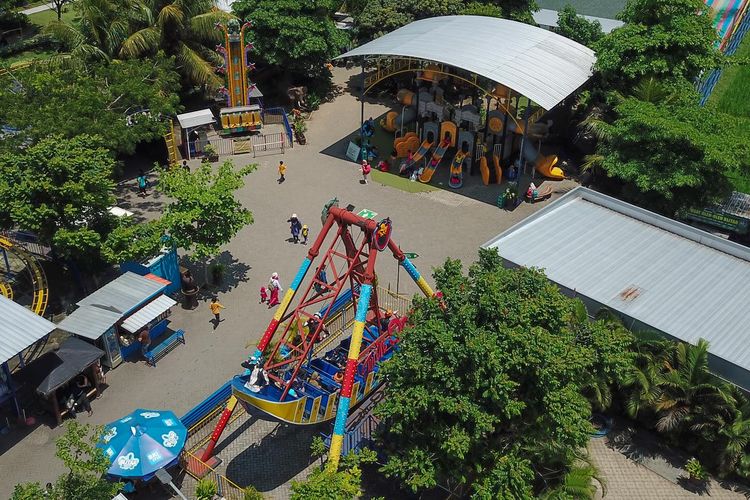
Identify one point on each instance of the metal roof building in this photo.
(106, 306)
(542, 65)
(19, 328)
(656, 273)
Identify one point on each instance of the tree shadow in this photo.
(278, 457)
(235, 272)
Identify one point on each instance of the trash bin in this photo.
(190, 298)
(501, 200)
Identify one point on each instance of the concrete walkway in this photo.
(38, 8)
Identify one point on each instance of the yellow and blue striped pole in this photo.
(337, 440)
(418, 278)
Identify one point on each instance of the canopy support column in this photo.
(363, 149)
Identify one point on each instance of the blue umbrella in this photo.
(143, 442)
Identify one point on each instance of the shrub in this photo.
(206, 489)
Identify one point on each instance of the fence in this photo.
(198, 469)
(268, 142)
(278, 115)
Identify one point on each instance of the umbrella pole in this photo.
(177, 490)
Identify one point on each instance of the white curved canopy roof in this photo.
(543, 66)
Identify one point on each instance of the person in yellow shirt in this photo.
(282, 171)
(216, 308)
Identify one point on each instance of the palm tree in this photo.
(687, 390)
(578, 483)
(98, 31)
(184, 29)
(641, 381)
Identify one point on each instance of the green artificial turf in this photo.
(402, 183)
(732, 91)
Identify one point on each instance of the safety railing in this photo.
(265, 143)
(198, 469)
(389, 299)
(200, 432)
(279, 116)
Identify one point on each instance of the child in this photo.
(216, 308)
(365, 170)
(305, 232)
(282, 171)
(263, 295)
(142, 183)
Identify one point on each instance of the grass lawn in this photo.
(733, 88)
(28, 55)
(47, 16)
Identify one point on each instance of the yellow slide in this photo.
(545, 165)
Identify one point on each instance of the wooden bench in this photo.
(165, 346)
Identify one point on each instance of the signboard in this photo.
(367, 214)
(411, 255)
(718, 219)
(352, 152)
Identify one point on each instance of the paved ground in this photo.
(435, 225)
(38, 8)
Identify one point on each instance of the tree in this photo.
(672, 40)
(343, 484)
(487, 382)
(687, 390)
(59, 4)
(86, 466)
(183, 30)
(60, 189)
(308, 34)
(671, 156)
(133, 241)
(578, 28)
(382, 16)
(122, 102)
(205, 213)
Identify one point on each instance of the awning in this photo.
(54, 369)
(543, 66)
(148, 313)
(19, 328)
(195, 119)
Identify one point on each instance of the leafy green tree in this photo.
(205, 213)
(296, 36)
(184, 30)
(671, 156)
(578, 28)
(133, 241)
(86, 466)
(495, 371)
(60, 189)
(672, 40)
(510, 478)
(378, 17)
(122, 102)
(343, 484)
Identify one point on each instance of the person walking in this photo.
(366, 169)
(216, 308)
(263, 295)
(274, 287)
(282, 171)
(295, 226)
(305, 233)
(142, 183)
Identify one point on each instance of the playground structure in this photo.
(496, 108)
(303, 376)
(241, 113)
(15, 261)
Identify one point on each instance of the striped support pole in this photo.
(281, 310)
(337, 440)
(418, 278)
(231, 404)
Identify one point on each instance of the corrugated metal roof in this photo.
(150, 311)
(675, 278)
(89, 321)
(19, 328)
(103, 308)
(124, 293)
(537, 63)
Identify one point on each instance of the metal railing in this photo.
(199, 469)
(265, 143)
(278, 115)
